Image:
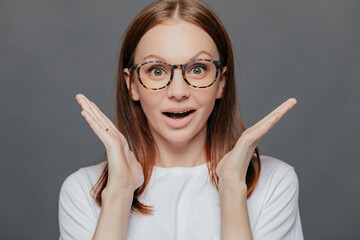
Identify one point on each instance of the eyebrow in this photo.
(163, 59)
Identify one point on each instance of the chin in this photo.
(178, 137)
(182, 135)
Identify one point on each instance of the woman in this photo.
(178, 126)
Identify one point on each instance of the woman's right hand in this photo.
(125, 172)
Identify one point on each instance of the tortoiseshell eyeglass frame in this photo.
(218, 64)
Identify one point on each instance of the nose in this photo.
(178, 88)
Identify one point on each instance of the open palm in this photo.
(125, 172)
(233, 166)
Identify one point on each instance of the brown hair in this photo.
(131, 120)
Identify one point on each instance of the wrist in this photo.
(110, 194)
(232, 186)
(232, 182)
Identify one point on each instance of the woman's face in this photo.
(176, 42)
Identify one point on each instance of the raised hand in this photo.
(233, 166)
(125, 172)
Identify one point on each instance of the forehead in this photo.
(176, 41)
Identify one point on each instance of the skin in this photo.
(177, 41)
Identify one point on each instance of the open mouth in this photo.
(178, 115)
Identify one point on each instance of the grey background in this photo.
(52, 50)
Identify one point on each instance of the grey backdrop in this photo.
(51, 50)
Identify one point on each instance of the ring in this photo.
(106, 129)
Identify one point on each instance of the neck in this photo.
(188, 153)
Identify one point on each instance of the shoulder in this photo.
(78, 212)
(274, 169)
(271, 164)
(93, 172)
(277, 177)
(274, 205)
(82, 180)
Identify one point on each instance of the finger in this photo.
(255, 132)
(107, 120)
(284, 107)
(280, 110)
(270, 121)
(266, 126)
(95, 126)
(84, 102)
(102, 116)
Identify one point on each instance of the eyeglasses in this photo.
(198, 73)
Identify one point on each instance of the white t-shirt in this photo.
(186, 204)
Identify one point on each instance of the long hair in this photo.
(224, 125)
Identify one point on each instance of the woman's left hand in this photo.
(232, 168)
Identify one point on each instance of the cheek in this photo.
(149, 103)
(206, 101)
(210, 106)
(207, 98)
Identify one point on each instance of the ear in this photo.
(134, 94)
(222, 83)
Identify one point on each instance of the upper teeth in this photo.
(181, 112)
